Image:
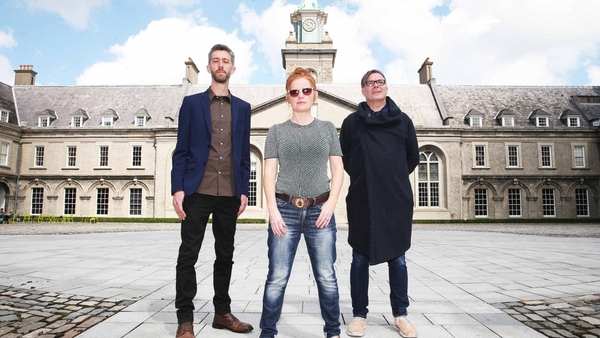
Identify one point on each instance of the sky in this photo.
(146, 42)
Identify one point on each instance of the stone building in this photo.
(495, 152)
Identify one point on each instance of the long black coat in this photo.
(380, 152)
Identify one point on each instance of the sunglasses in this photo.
(305, 92)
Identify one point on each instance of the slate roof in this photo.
(522, 100)
(126, 102)
(7, 103)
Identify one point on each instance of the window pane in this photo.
(423, 171)
(136, 157)
(578, 154)
(104, 156)
(581, 202)
(4, 153)
(548, 207)
(423, 196)
(135, 201)
(435, 194)
(433, 172)
(70, 201)
(514, 202)
(71, 156)
(546, 156)
(253, 183)
(480, 156)
(39, 156)
(513, 156)
(102, 201)
(37, 201)
(481, 202)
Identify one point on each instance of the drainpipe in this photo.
(19, 154)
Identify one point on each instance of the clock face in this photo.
(309, 25)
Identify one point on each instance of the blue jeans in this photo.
(320, 243)
(359, 285)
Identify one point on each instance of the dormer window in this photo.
(475, 121)
(43, 121)
(140, 121)
(4, 116)
(541, 121)
(76, 121)
(506, 117)
(107, 121)
(508, 121)
(573, 121)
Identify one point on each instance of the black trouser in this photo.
(198, 208)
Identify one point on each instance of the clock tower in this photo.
(309, 45)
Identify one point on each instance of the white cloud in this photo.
(6, 39)
(157, 54)
(593, 75)
(76, 12)
(7, 74)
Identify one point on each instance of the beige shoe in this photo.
(405, 328)
(357, 327)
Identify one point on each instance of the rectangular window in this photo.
(508, 121)
(513, 156)
(3, 116)
(140, 121)
(136, 158)
(481, 203)
(37, 201)
(70, 201)
(514, 202)
(71, 156)
(43, 121)
(39, 156)
(581, 202)
(546, 156)
(423, 195)
(579, 156)
(103, 156)
(107, 121)
(76, 121)
(253, 185)
(480, 158)
(4, 148)
(573, 121)
(541, 121)
(475, 121)
(135, 202)
(102, 201)
(548, 205)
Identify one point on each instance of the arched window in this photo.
(429, 180)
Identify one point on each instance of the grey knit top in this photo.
(303, 154)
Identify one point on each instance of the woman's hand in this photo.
(276, 222)
(326, 214)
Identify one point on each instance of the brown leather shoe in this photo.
(185, 330)
(230, 323)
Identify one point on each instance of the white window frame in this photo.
(476, 121)
(481, 200)
(140, 121)
(4, 116)
(579, 156)
(582, 202)
(71, 156)
(76, 121)
(571, 119)
(37, 201)
(429, 177)
(136, 156)
(135, 209)
(509, 155)
(514, 207)
(549, 202)
(103, 156)
(539, 119)
(102, 201)
(476, 164)
(38, 156)
(108, 121)
(508, 121)
(70, 201)
(4, 153)
(43, 121)
(542, 156)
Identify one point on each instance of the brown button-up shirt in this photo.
(219, 179)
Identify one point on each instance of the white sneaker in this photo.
(357, 327)
(405, 328)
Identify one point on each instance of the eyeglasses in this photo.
(305, 92)
(372, 83)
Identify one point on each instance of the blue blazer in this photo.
(193, 143)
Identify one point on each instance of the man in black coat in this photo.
(380, 151)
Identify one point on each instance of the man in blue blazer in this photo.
(211, 171)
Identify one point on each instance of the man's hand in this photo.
(243, 204)
(178, 204)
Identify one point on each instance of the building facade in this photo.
(495, 152)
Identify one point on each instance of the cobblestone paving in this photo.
(30, 313)
(560, 317)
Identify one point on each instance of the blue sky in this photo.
(471, 42)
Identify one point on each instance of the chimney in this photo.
(25, 76)
(191, 71)
(425, 72)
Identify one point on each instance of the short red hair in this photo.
(300, 73)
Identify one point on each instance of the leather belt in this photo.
(303, 203)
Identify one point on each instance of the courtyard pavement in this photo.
(118, 281)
